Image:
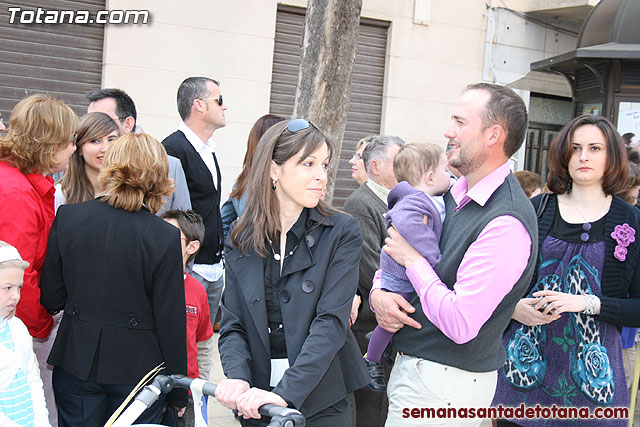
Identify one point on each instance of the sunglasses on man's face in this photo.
(217, 98)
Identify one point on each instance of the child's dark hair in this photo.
(190, 224)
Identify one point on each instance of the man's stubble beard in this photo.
(467, 163)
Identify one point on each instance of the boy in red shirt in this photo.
(199, 331)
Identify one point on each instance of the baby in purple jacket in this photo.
(416, 210)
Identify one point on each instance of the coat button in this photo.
(133, 322)
(284, 295)
(310, 240)
(308, 286)
(74, 312)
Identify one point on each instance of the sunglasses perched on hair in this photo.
(296, 125)
(217, 98)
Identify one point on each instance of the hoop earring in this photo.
(273, 185)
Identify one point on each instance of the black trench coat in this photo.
(320, 282)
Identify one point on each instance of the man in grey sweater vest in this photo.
(449, 355)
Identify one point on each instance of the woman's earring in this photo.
(273, 185)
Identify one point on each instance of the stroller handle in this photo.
(280, 416)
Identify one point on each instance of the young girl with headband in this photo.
(21, 394)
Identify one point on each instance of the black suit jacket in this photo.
(205, 199)
(321, 280)
(119, 277)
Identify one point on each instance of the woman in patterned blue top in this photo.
(21, 394)
(563, 347)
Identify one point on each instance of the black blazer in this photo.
(205, 199)
(321, 279)
(118, 276)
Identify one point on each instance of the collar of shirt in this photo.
(378, 190)
(42, 184)
(438, 201)
(195, 140)
(480, 192)
(300, 227)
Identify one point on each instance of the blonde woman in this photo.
(40, 141)
(116, 270)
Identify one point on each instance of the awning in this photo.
(569, 61)
(550, 84)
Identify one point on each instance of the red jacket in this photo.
(26, 215)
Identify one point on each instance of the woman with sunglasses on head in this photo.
(39, 142)
(292, 272)
(233, 208)
(79, 183)
(563, 347)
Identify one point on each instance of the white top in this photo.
(438, 201)
(210, 272)
(60, 198)
(205, 149)
(23, 358)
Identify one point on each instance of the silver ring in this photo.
(396, 326)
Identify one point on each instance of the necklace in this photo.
(274, 330)
(277, 256)
(586, 227)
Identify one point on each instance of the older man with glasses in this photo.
(358, 171)
(369, 205)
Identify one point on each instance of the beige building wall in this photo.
(232, 41)
(428, 65)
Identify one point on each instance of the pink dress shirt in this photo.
(488, 271)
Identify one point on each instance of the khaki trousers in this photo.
(419, 383)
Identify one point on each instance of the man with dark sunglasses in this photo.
(202, 110)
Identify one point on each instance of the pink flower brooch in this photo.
(625, 235)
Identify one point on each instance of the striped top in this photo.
(15, 400)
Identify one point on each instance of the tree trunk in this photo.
(324, 81)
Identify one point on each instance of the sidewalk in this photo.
(219, 416)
